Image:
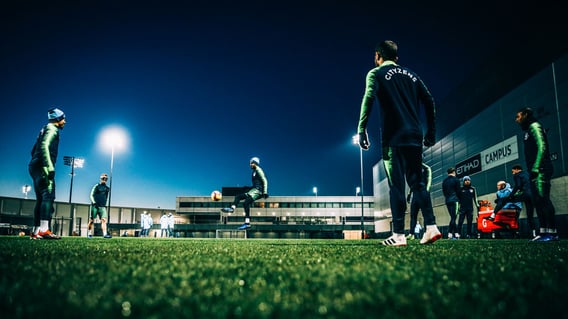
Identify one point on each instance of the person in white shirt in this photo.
(146, 223)
(171, 222)
(164, 226)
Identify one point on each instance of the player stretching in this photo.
(258, 190)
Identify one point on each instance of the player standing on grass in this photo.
(451, 189)
(99, 196)
(400, 94)
(468, 199)
(522, 192)
(171, 223)
(164, 226)
(42, 171)
(258, 190)
(539, 165)
(147, 223)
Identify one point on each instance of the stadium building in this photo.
(279, 216)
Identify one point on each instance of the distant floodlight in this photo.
(114, 138)
(79, 162)
(25, 190)
(360, 190)
(355, 139)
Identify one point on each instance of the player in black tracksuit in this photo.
(468, 198)
(522, 193)
(451, 189)
(400, 94)
(539, 165)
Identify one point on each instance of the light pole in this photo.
(315, 190)
(356, 142)
(110, 179)
(73, 162)
(25, 190)
(115, 138)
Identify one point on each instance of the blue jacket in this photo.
(503, 195)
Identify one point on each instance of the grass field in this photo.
(258, 278)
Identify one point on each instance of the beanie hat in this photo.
(255, 160)
(55, 115)
(466, 178)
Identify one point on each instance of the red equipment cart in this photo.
(506, 221)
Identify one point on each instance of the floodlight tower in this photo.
(356, 142)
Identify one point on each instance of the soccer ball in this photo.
(216, 196)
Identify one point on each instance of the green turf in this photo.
(258, 278)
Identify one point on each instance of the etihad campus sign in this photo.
(498, 154)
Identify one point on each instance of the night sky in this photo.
(202, 87)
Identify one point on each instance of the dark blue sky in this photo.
(202, 87)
